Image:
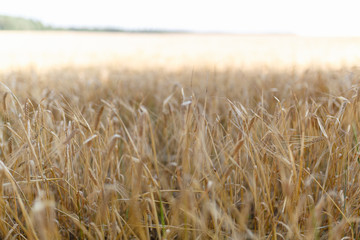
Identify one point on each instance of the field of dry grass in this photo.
(242, 138)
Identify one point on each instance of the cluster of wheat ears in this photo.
(194, 154)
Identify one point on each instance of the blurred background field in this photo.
(45, 50)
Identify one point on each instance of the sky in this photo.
(302, 17)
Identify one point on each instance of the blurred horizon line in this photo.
(27, 24)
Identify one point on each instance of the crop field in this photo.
(175, 136)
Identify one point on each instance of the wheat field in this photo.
(118, 136)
